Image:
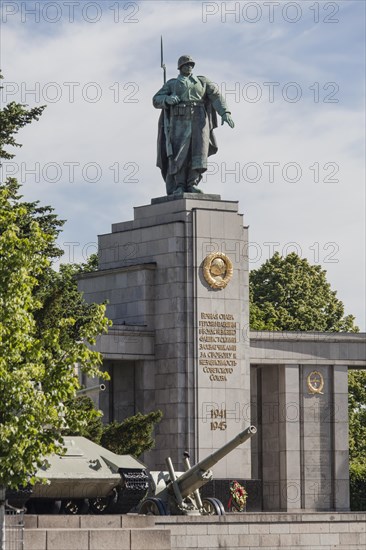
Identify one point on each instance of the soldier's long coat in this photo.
(191, 128)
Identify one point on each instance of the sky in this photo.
(292, 73)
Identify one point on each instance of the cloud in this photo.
(98, 80)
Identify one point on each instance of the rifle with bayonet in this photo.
(167, 118)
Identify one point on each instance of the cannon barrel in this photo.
(91, 389)
(200, 473)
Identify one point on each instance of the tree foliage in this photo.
(357, 437)
(357, 415)
(37, 364)
(132, 436)
(38, 352)
(288, 293)
(357, 476)
(13, 117)
(60, 299)
(82, 407)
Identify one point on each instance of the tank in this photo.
(88, 478)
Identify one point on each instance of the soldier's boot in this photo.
(193, 189)
(179, 190)
(191, 186)
(193, 181)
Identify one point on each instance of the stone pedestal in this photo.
(151, 271)
(176, 282)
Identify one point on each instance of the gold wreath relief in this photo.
(217, 270)
(315, 382)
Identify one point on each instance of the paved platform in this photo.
(248, 531)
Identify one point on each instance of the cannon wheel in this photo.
(153, 507)
(221, 506)
(213, 507)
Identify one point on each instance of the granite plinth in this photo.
(196, 196)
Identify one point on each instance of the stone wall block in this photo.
(58, 522)
(150, 539)
(109, 539)
(272, 541)
(100, 522)
(250, 540)
(71, 539)
(35, 539)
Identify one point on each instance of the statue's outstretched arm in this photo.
(219, 103)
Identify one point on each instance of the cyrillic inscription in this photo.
(217, 335)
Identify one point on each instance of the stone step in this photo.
(97, 539)
(126, 521)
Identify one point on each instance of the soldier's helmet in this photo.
(185, 59)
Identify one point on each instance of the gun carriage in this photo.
(178, 493)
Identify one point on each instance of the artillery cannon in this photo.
(178, 493)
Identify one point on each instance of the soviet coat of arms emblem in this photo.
(217, 270)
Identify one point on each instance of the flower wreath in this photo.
(238, 496)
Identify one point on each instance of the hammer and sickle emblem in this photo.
(217, 270)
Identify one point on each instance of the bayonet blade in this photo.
(162, 64)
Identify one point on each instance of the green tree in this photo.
(60, 298)
(83, 407)
(133, 436)
(13, 117)
(37, 368)
(37, 363)
(288, 293)
(357, 437)
(357, 414)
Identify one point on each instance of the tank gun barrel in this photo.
(91, 389)
(200, 473)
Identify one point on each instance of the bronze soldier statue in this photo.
(185, 139)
